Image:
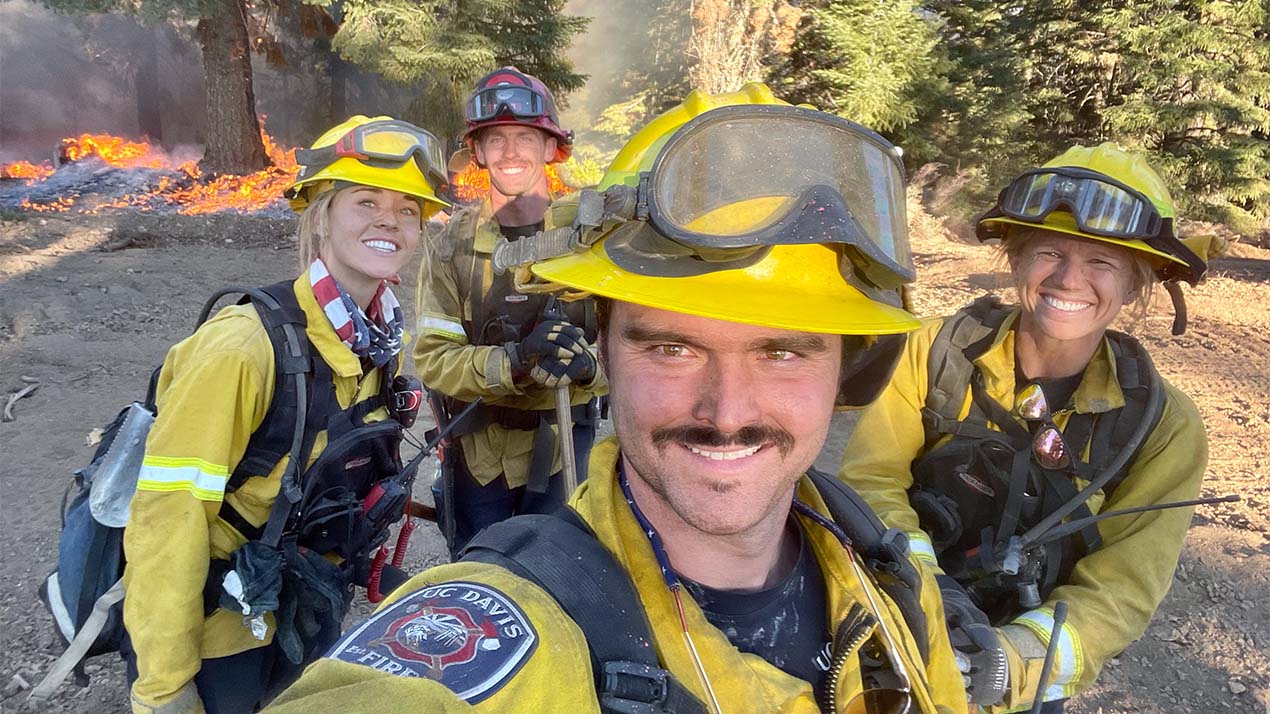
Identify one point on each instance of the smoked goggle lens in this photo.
(521, 102)
(880, 701)
(1099, 204)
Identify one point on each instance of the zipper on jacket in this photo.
(852, 632)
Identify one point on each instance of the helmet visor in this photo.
(381, 143)
(793, 175)
(1100, 204)
(519, 101)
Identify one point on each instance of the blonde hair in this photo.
(314, 227)
(1142, 276)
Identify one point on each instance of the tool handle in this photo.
(1060, 617)
(564, 424)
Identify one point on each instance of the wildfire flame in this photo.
(472, 183)
(25, 170)
(184, 188)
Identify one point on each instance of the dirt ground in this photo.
(88, 306)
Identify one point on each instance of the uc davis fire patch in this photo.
(469, 637)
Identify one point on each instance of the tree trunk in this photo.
(146, 86)
(233, 133)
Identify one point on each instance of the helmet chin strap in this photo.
(1179, 306)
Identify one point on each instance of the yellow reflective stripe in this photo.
(920, 545)
(202, 479)
(443, 326)
(1070, 662)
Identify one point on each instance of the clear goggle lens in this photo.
(1098, 204)
(743, 176)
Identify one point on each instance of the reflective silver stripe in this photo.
(204, 480)
(920, 545)
(1070, 662)
(444, 327)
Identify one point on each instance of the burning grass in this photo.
(169, 184)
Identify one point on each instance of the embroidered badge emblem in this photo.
(469, 637)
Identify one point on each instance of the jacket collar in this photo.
(487, 229)
(1099, 389)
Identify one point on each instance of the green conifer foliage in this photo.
(860, 59)
(1186, 81)
(444, 46)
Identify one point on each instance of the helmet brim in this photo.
(795, 287)
(1063, 223)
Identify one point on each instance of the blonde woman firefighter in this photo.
(250, 527)
(1005, 429)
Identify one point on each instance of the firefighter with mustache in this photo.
(479, 337)
(705, 567)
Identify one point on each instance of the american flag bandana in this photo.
(376, 334)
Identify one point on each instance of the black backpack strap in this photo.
(561, 555)
(885, 551)
(1137, 377)
(303, 397)
(950, 367)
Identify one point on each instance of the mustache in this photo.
(745, 437)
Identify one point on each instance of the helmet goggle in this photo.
(1100, 205)
(385, 144)
(735, 181)
(520, 101)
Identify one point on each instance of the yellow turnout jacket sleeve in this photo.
(1112, 592)
(214, 390)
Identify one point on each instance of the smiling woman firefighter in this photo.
(1005, 429)
(701, 568)
(270, 474)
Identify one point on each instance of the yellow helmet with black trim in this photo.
(756, 211)
(1101, 193)
(372, 151)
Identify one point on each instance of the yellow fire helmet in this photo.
(755, 211)
(1102, 193)
(759, 212)
(372, 151)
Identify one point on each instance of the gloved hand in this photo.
(555, 353)
(976, 645)
(552, 372)
(185, 701)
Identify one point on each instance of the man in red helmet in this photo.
(479, 337)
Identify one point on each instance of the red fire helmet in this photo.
(509, 96)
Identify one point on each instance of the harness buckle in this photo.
(633, 688)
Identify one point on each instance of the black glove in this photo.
(555, 353)
(977, 646)
(552, 372)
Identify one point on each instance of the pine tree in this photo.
(444, 46)
(860, 59)
(1186, 81)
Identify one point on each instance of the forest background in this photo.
(980, 89)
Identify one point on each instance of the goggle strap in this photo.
(1179, 306)
(984, 232)
(1166, 242)
(346, 147)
